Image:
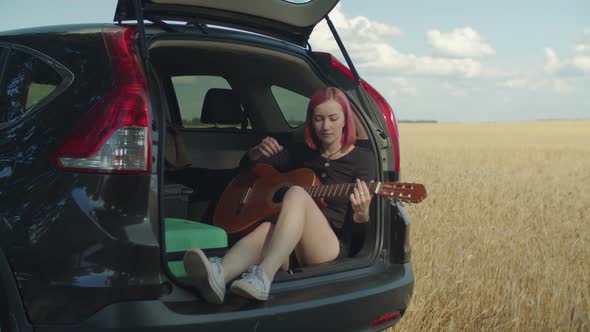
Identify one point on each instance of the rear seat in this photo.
(200, 163)
(196, 175)
(213, 153)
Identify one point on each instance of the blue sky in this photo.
(450, 61)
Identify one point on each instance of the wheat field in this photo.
(502, 243)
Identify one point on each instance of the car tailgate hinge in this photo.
(383, 138)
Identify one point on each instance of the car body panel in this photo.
(71, 237)
(347, 305)
(293, 22)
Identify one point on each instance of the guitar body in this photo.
(252, 196)
(257, 194)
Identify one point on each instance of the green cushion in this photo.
(177, 268)
(182, 235)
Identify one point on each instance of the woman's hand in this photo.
(267, 147)
(360, 200)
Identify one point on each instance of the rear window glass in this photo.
(25, 82)
(191, 92)
(292, 105)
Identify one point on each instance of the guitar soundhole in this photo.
(279, 194)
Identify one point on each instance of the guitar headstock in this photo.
(403, 191)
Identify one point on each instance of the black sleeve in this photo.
(281, 161)
(365, 168)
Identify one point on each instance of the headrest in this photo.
(221, 106)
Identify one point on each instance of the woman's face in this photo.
(328, 122)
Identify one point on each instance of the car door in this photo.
(8, 151)
(28, 81)
(288, 20)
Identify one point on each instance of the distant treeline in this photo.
(417, 121)
(196, 123)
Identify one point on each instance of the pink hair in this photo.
(319, 97)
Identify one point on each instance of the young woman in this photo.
(314, 235)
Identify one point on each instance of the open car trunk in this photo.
(205, 142)
(292, 21)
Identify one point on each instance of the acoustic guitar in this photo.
(257, 194)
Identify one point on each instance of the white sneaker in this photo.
(206, 274)
(254, 284)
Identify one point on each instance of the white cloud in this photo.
(582, 59)
(455, 90)
(578, 64)
(383, 56)
(373, 30)
(516, 83)
(552, 62)
(461, 42)
(582, 63)
(355, 30)
(403, 86)
(369, 44)
(583, 46)
(562, 86)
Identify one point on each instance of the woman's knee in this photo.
(295, 193)
(261, 232)
(264, 228)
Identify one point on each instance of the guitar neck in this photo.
(337, 191)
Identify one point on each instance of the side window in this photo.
(292, 105)
(208, 102)
(26, 81)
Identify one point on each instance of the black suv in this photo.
(117, 140)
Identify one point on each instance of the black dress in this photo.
(358, 163)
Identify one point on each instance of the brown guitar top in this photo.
(256, 194)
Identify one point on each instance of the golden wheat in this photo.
(503, 241)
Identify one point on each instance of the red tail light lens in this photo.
(114, 136)
(338, 65)
(386, 318)
(389, 120)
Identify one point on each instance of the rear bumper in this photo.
(345, 305)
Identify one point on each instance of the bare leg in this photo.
(248, 251)
(300, 220)
(301, 226)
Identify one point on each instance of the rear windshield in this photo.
(190, 94)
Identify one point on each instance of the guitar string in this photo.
(333, 189)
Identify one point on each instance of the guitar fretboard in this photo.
(336, 190)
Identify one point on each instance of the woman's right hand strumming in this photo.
(267, 147)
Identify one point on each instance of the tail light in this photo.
(114, 136)
(386, 318)
(386, 110)
(389, 120)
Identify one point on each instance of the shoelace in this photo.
(254, 272)
(216, 261)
